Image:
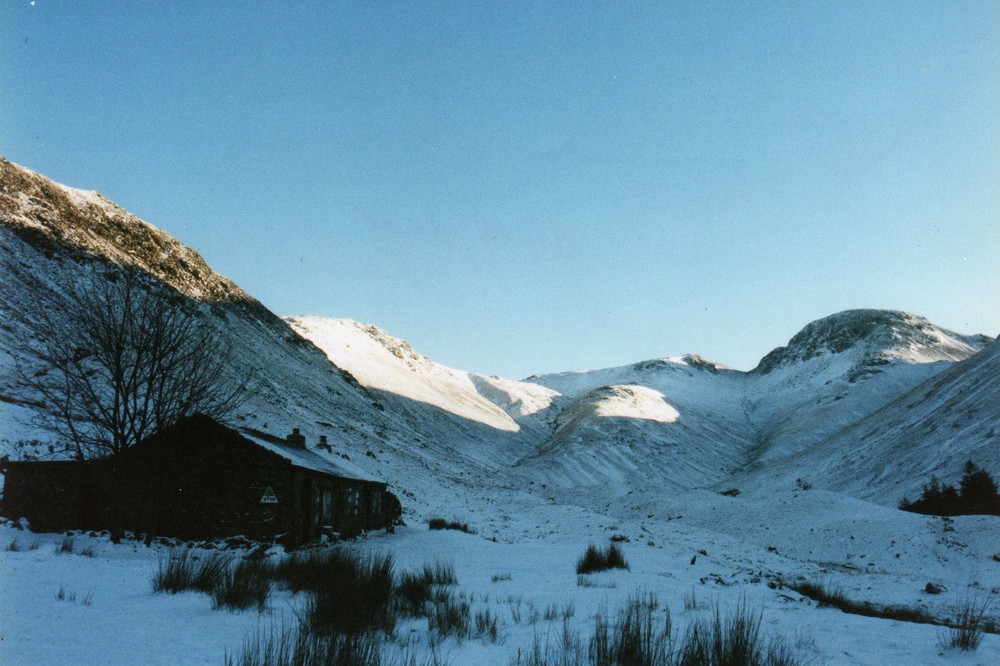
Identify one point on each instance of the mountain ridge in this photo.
(672, 423)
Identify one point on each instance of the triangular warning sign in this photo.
(269, 496)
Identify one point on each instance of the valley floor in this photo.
(695, 552)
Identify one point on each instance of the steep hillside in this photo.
(54, 237)
(839, 369)
(493, 420)
(930, 430)
(677, 422)
(380, 361)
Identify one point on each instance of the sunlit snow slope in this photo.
(841, 368)
(679, 421)
(381, 361)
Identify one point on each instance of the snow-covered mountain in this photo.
(53, 238)
(380, 361)
(686, 422)
(930, 430)
(674, 421)
(436, 432)
(838, 369)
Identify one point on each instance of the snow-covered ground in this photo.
(717, 549)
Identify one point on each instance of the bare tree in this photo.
(125, 357)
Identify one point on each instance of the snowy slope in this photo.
(841, 368)
(678, 421)
(381, 361)
(613, 425)
(52, 237)
(931, 430)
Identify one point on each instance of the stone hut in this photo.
(198, 479)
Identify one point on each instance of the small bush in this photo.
(415, 589)
(244, 586)
(15, 547)
(66, 546)
(735, 641)
(61, 595)
(597, 559)
(351, 595)
(175, 573)
(554, 611)
(442, 524)
(210, 571)
(636, 637)
(551, 612)
(515, 613)
(450, 617)
(441, 574)
(486, 625)
(500, 577)
(304, 570)
(181, 571)
(967, 631)
(297, 647)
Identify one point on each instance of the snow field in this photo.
(532, 578)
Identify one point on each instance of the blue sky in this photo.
(518, 188)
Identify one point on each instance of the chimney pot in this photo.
(296, 439)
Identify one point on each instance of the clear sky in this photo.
(517, 188)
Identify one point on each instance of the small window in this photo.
(327, 505)
(353, 501)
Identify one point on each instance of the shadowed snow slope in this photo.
(930, 430)
(840, 369)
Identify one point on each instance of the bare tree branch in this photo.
(125, 357)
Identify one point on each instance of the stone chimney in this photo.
(296, 439)
(323, 444)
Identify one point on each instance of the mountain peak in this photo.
(676, 362)
(880, 336)
(83, 224)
